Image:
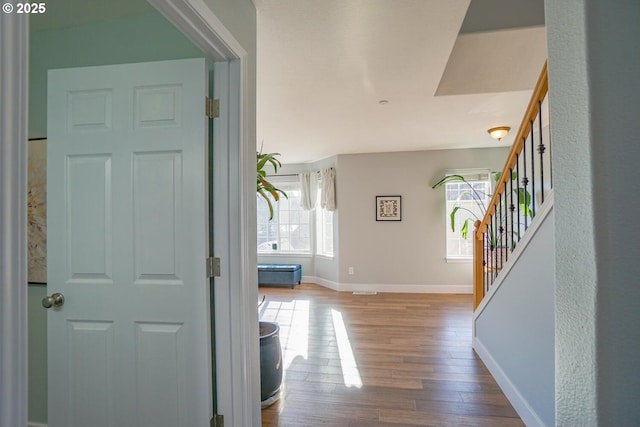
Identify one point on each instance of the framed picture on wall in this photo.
(37, 211)
(388, 208)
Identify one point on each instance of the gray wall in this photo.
(403, 256)
(37, 319)
(594, 70)
(516, 327)
(410, 252)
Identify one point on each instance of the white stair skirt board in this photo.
(544, 210)
(389, 288)
(528, 415)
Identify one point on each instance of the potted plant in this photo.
(270, 350)
(264, 187)
(478, 196)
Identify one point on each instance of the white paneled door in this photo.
(127, 242)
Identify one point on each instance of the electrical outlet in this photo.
(351, 271)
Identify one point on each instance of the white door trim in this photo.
(14, 80)
(237, 357)
(202, 27)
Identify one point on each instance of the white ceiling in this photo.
(324, 65)
(450, 69)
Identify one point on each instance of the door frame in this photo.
(236, 294)
(236, 314)
(14, 72)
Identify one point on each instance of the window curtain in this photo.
(308, 190)
(328, 191)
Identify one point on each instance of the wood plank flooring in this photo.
(379, 361)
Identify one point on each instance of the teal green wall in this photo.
(37, 354)
(142, 38)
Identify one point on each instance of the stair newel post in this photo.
(478, 265)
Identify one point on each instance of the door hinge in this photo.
(212, 108)
(213, 267)
(217, 421)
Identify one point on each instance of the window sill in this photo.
(459, 260)
(327, 257)
(286, 254)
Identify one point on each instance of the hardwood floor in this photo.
(379, 360)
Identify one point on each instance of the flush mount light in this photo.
(499, 132)
(383, 102)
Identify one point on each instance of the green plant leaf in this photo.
(449, 178)
(452, 217)
(524, 200)
(264, 158)
(265, 196)
(264, 188)
(464, 229)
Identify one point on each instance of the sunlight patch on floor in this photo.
(350, 372)
(293, 318)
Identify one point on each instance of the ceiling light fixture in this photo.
(383, 102)
(499, 132)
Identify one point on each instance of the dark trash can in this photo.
(270, 363)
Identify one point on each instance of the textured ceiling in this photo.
(323, 67)
(448, 69)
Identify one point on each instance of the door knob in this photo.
(55, 300)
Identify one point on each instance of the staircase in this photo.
(514, 271)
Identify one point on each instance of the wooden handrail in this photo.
(539, 93)
(478, 270)
(532, 111)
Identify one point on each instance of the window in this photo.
(471, 196)
(324, 229)
(289, 230)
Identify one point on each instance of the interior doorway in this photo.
(202, 27)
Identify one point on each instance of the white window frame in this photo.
(288, 184)
(464, 252)
(324, 227)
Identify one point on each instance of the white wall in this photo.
(514, 326)
(594, 88)
(405, 256)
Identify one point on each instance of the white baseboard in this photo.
(322, 282)
(404, 288)
(32, 424)
(522, 407)
(389, 287)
